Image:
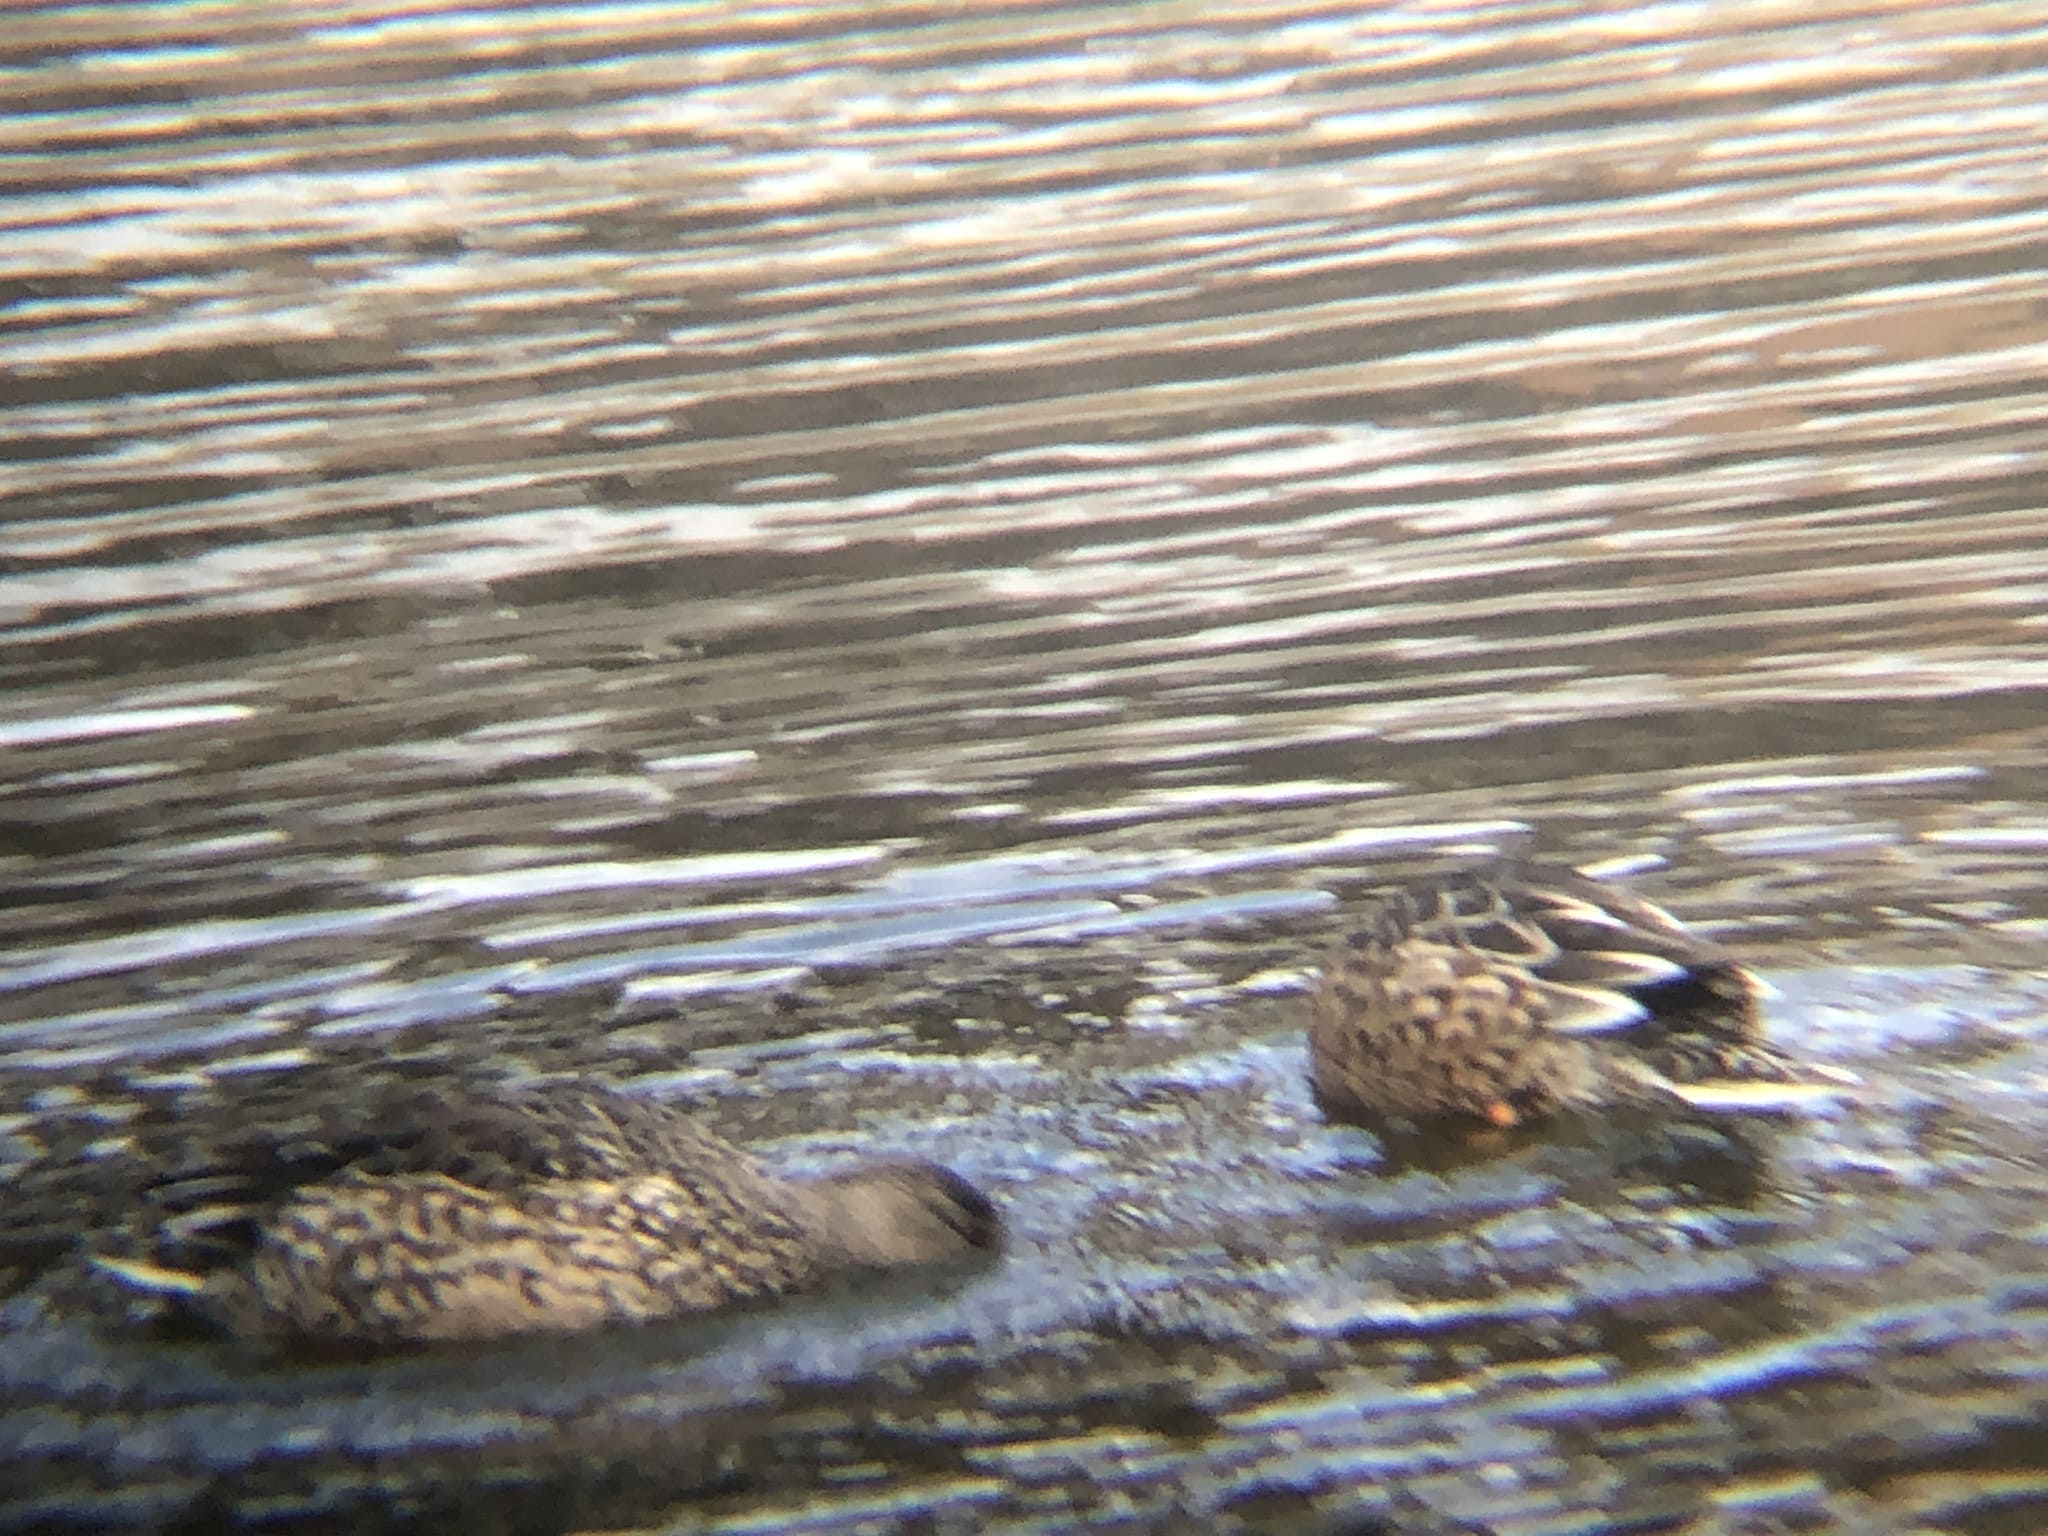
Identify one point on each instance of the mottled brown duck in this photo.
(544, 1211)
(1515, 993)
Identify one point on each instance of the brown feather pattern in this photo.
(546, 1211)
(1522, 991)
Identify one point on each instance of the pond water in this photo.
(897, 570)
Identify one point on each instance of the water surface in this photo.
(897, 572)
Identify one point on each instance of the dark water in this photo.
(893, 570)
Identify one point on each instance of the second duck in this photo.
(1520, 992)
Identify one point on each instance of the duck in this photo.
(1518, 992)
(463, 1217)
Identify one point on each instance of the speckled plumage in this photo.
(547, 1211)
(1520, 992)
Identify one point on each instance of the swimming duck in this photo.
(550, 1210)
(1521, 992)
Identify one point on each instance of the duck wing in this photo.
(210, 1208)
(1608, 960)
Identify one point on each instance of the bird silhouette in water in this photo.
(1522, 992)
(544, 1211)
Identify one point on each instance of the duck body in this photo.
(546, 1211)
(1519, 992)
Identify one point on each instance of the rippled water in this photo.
(896, 569)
